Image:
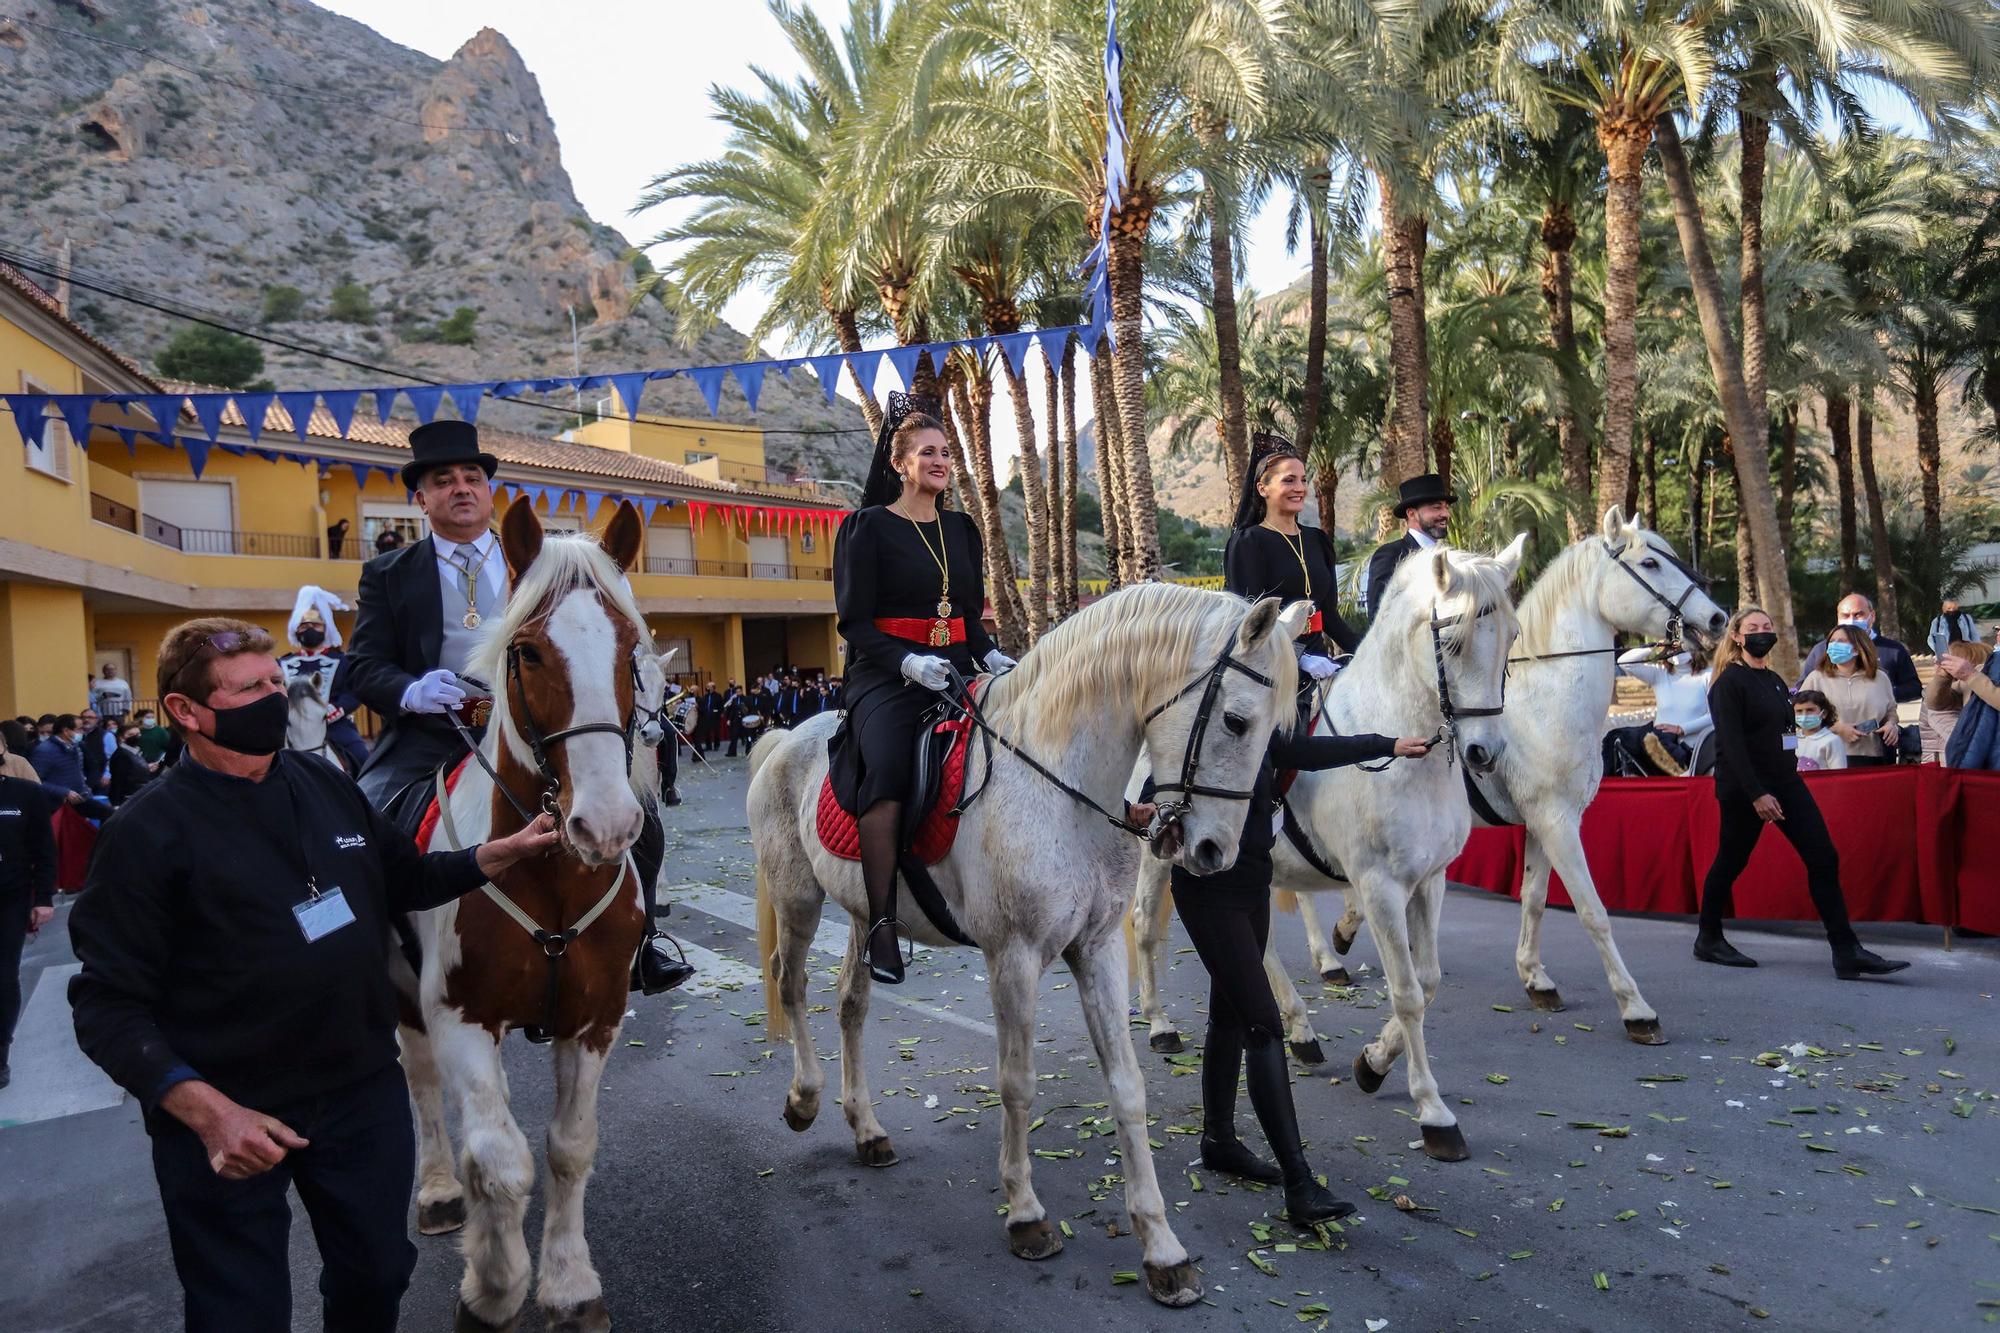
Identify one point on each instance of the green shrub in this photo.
(283, 303)
(350, 304)
(211, 356)
(458, 330)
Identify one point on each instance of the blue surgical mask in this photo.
(1808, 721)
(1840, 654)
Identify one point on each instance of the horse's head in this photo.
(1659, 588)
(1206, 740)
(1459, 622)
(565, 666)
(305, 720)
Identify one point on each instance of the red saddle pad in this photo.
(837, 831)
(428, 828)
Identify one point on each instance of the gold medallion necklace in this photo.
(1298, 550)
(941, 554)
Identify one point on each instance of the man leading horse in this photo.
(416, 631)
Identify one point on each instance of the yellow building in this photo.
(103, 548)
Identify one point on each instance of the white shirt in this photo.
(492, 573)
(1424, 543)
(1680, 699)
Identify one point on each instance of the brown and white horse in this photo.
(568, 660)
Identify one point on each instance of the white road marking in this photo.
(830, 940)
(52, 1078)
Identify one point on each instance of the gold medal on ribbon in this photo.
(471, 620)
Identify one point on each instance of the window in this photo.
(670, 551)
(52, 458)
(562, 522)
(379, 516)
(699, 455)
(194, 516)
(770, 558)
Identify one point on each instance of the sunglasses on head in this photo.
(222, 645)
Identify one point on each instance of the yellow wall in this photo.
(45, 650)
(678, 442)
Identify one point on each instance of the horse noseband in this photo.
(1447, 709)
(540, 743)
(1696, 583)
(1210, 681)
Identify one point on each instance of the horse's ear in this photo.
(625, 536)
(668, 656)
(1441, 571)
(1614, 527)
(1510, 555)
(520, 537)
(1263, 617)
(1292, 620)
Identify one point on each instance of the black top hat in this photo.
(1422, 490)
(438, 444)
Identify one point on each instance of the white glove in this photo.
(1319, 668)
(434, 692)
(933, 673)
(997, 662)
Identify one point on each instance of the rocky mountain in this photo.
(213, 153)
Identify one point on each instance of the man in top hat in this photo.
(421, 607)
(316, 656)
(1424, 504)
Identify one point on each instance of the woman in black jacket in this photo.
(1757, 782)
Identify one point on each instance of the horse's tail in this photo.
(1286, 901)
(776, 1024)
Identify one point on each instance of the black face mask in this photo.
(311, 638)
(254, 728)
(1759, 645)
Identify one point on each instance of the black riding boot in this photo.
(880, 829)
(1306, 1200)
(1221, 1150)
(659, 964)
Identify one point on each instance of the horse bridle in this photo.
(1697, 582)
(1170, 813)
(1450, 711)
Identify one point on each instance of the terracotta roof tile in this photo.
(40, 296)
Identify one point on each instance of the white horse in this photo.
(1434, 660)
(305, 719)
(1199, 680)
(573, 679)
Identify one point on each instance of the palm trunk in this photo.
(1697, 500)
(1315, 330)
(1631, 500)
(1110, 485)
(847, 334)
(1625, 140)
(1053, 533)
(1652, 511)
(1035, 492)
(1788, 474)
(1886, 617)
(961, 472)
(1066, 593)
(975, 404)
(1745, 425)
(1443, 442)
(1128, 329)
(1755, 133)
(1929, 457)
(1559, 294)
(1409, 378)
(1839, 426)
(1211, 131)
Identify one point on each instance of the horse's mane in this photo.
(563, 565)
(1088, 660)
(1566, 576)
(1489, 584)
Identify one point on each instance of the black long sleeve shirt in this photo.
(881, 570)
(194, 965)
(27, 845)
(1261, 562)
(1252, 871)
(1752, 709)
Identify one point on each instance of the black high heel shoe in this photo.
(886, 970)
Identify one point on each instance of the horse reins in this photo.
(1675, 625)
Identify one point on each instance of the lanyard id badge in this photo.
(323, 913)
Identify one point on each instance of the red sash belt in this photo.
(1313, 626)
(918, 629)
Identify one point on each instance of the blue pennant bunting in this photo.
(165, 411)
(867, 369)
(828, 369)
(268, 455)
(709, 380)
(591, 500)
(360, 471)
(131, 438)
(299, 407)
(341, 404)
(30, 416)
(750, 376)
(385, 402)
(233, 450)
(904, 359)
(467, 398)
(253, 406)
(197, 452)
(1014, 346)
(532, 494)
(208, 411)
(629, 388)
(648, 506)
(509, 388)
(424, 400)
(388, 473)
(75, 409)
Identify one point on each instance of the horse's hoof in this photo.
(464, 1321)
(1342, 943)
(1166, 1043)
(798, 1121)
(1365, 1076)
(589, 1317)
(441, 1217)
(1445, 1143)
(1549, 1001)
(1175, 1285)
(877, 1151)
(1645, 1031)
(1308, 1052)
(1034, 1240)
(1336, 976)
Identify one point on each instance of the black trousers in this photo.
(230, 1236)
(1805, 828)
(14, 908)
(1229, 929)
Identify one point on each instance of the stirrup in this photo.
(653, 972)
(881, 972)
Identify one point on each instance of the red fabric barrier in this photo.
(1916, 844)
(76, 837)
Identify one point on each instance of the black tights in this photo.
(880, 828)
(1805, 828)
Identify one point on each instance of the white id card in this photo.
(319, 917)
(1791, 742)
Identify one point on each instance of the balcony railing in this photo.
(226, 541)
(107, 510)
(670, 564)
(818, 573)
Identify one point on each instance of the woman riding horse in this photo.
(909, 586)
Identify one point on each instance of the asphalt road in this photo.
(1611, 1185)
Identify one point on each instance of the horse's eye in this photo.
(530, 654)
(1649, 563)
(1236, 722)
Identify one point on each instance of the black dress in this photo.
(1259, 562)
(881, 571)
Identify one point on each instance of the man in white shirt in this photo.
(1424, 504)
(109, 695)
